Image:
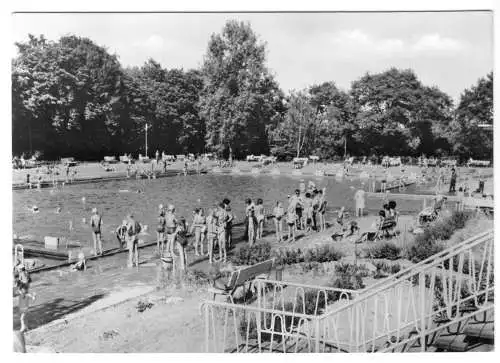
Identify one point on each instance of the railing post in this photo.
(207, 329)
(258, 316)
(422, 310)
(317, 335)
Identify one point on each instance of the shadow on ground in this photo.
(42, 314)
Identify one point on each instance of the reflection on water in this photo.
(115, 199)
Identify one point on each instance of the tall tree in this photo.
(295, 135)
(172, 108)
(334, 124)
(394, 113)
(467, 133)
(239, 92)
(69, 90)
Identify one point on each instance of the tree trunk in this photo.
(298, 141)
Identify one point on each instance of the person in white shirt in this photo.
(359, 199)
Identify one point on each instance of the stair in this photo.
(476, 334)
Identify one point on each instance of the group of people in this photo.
(305, 211)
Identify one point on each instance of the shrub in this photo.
(459, 219)
(310, 256)
(421, 250)
(394, 269)
(247, 255)
(352, 269)
(386, 250)
(196, 278)
(381, 268)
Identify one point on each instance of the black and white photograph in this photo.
(252, 182)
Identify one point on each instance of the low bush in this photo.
(427, 243)
(196, 278)
(420, 250)
(247, 255)
(311, 256)
(347, 282)
(381, 267)
(386, 250)
(394, 269)
(351, 269)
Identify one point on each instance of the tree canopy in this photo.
(71, 97)
(239, 95)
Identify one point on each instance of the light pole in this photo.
(146, 137)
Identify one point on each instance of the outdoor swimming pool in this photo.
(115, 199)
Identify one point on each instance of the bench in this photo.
(240, 277)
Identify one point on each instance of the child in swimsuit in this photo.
(211, 234)
(291, 219)
(315, 208)
(160, 232)
(199, 228)
(120, 234)
(252, 227)
(259, 214)
(222, 219)
(308, 211)
(322, 210)
(170, 228)
(278, 214)
(229, 226)
(22, 284)
(181, 241)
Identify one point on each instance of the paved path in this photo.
(61, 292)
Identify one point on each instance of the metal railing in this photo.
(408, 306)
(407, 309)
(281, 318)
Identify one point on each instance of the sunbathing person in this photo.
(347, 230)
(372, 233)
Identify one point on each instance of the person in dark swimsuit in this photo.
(278, 214)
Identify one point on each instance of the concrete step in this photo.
(480, 330)
(452, 343)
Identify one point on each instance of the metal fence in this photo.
(406, 310)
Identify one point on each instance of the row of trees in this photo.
(72, 97)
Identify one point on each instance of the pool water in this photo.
(115, 199)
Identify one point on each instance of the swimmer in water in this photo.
(58, 210)
(35, 209)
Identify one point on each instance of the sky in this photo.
(450, 50)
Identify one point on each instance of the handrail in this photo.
(289, 283)
(446, 252)
(255, 308)
(438, 328)
(415, 270)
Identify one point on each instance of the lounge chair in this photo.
(430, 214)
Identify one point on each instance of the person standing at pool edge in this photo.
(171, 226)
(278, 214)
(96, 224)
(160, 232)
(133, 229)
(359, 199)
(453, 180)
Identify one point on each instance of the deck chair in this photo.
(387, 227)
(430, 214)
